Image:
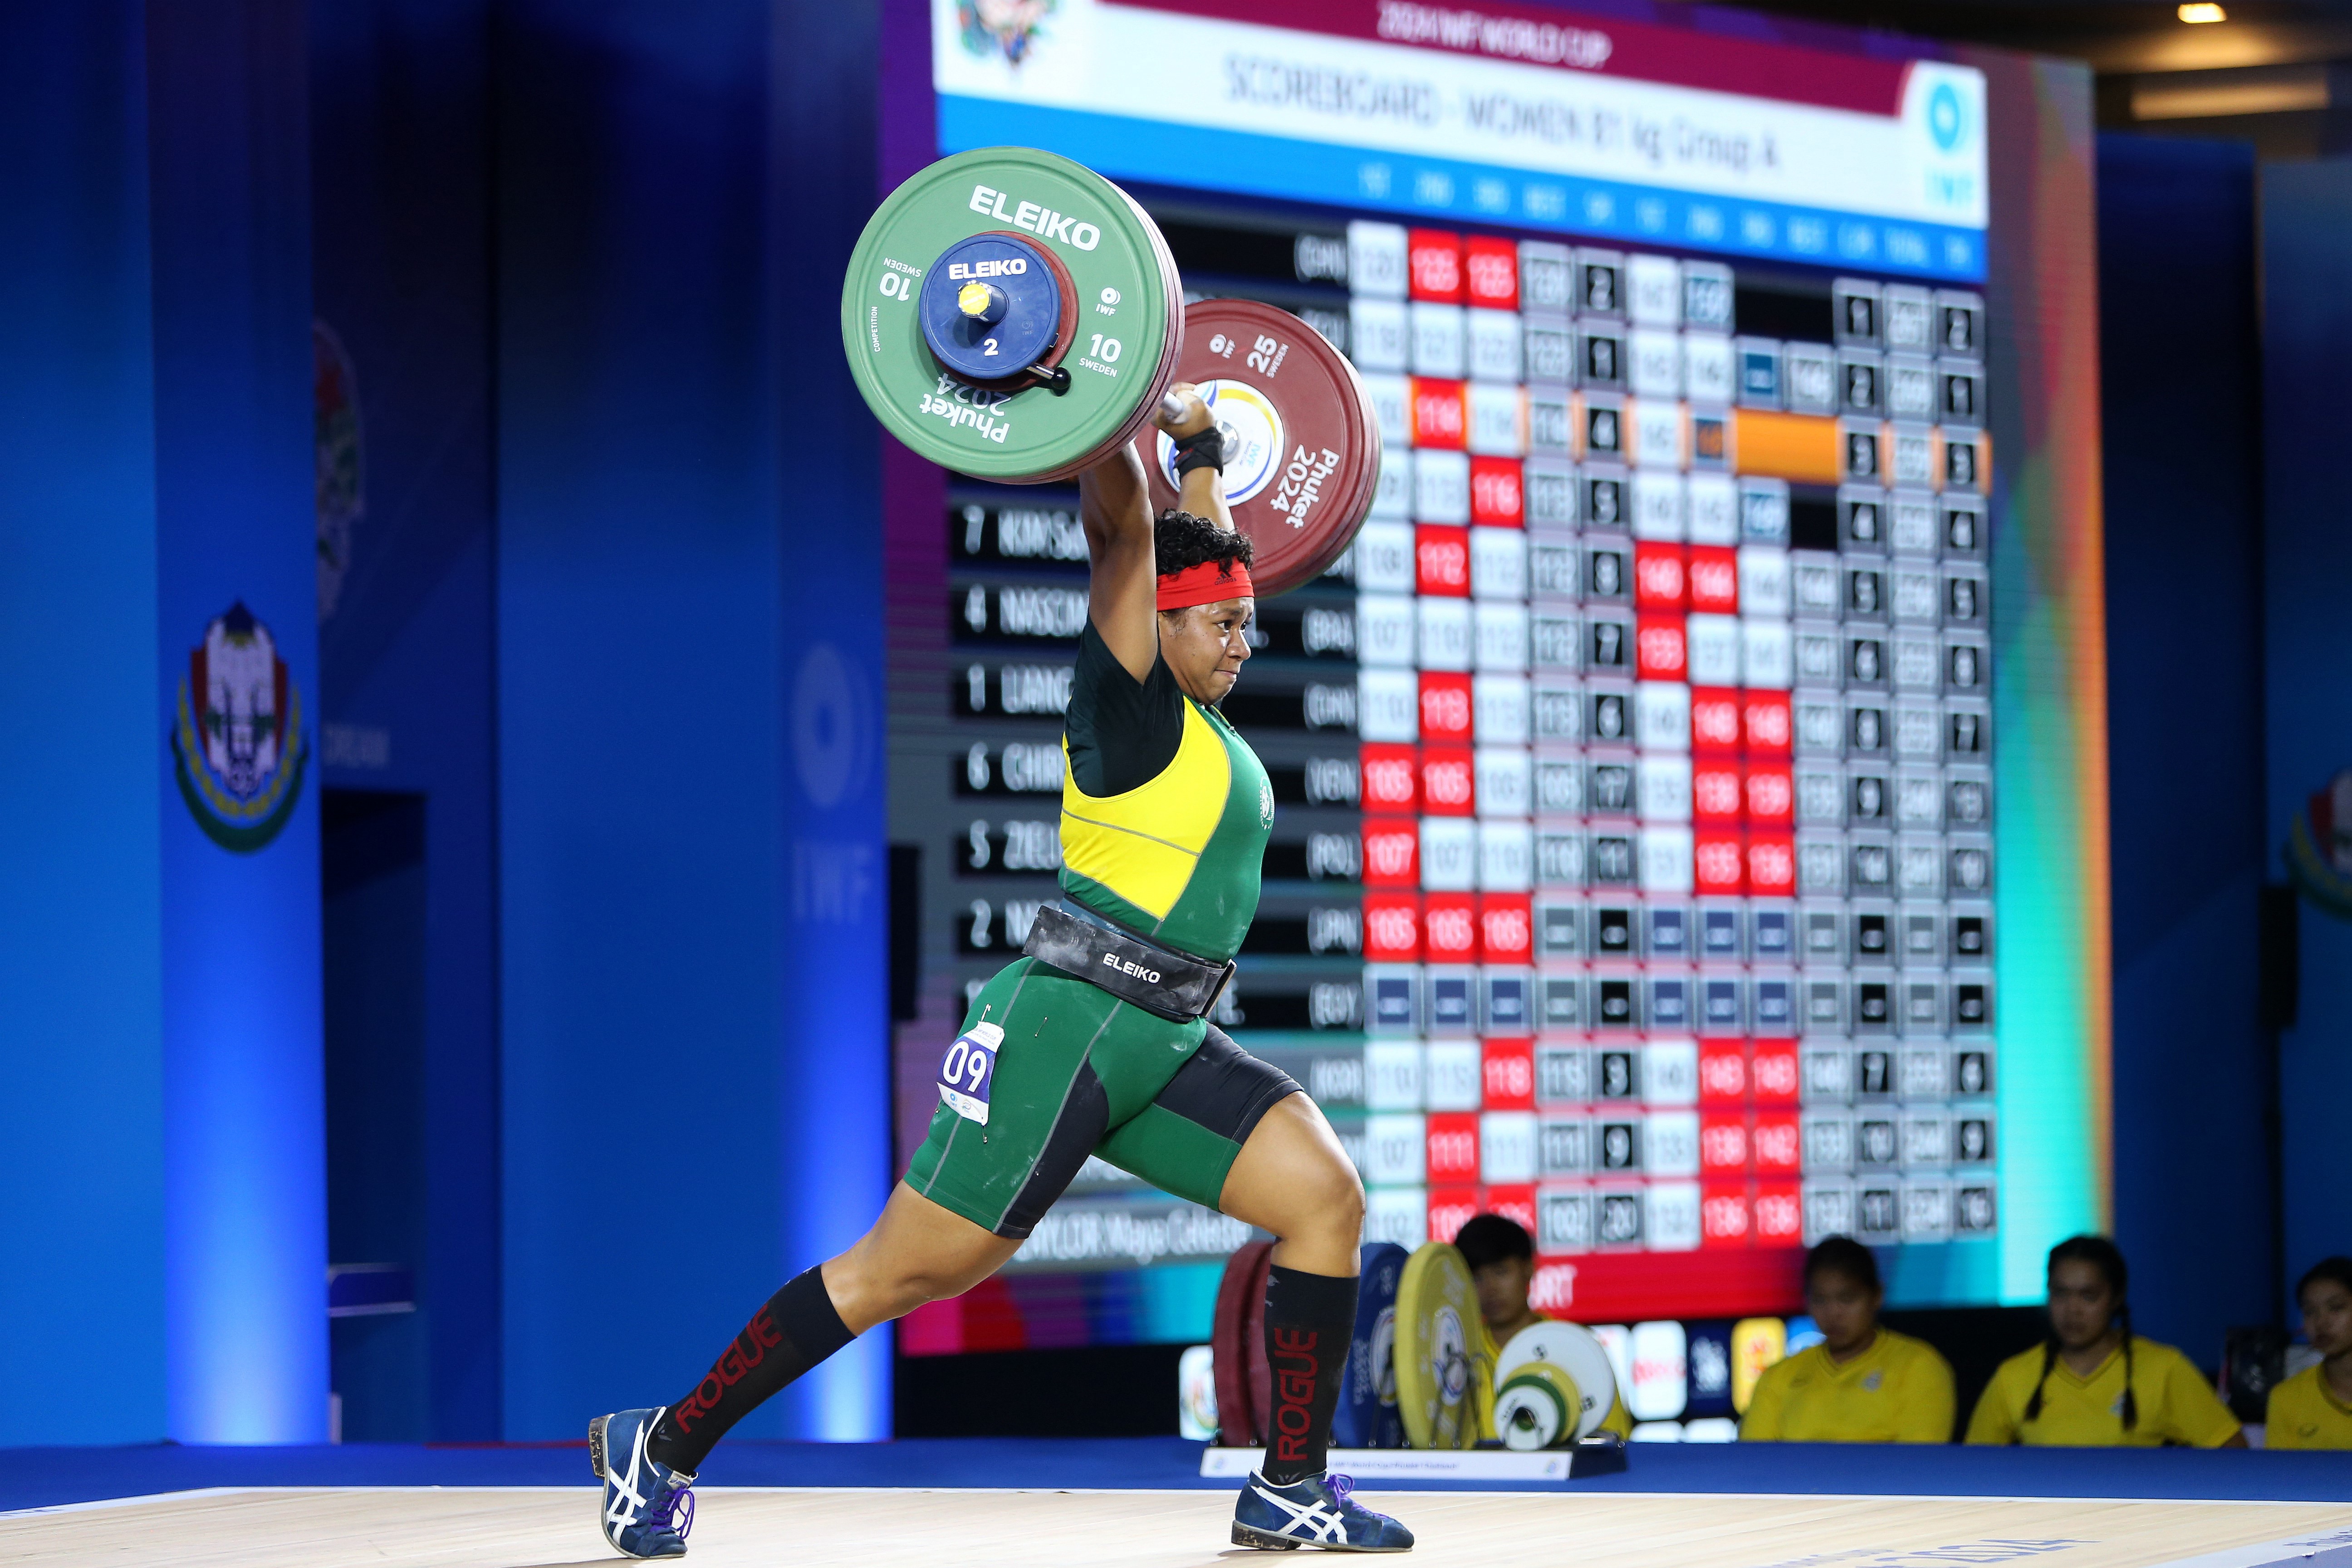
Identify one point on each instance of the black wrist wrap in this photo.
(1201, 449)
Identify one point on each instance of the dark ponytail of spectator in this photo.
(2108, 1259)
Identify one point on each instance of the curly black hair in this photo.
(1181, 541)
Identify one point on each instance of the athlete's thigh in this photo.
(1293, 1178)
(1185, 1141)
(1046, 1105)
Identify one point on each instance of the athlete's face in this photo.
(1206, 645)
(1845, 1310)
(2081, 1303)
(2327, 1317)
(1503, 1286)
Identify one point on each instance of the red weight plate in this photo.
(1303, 446)
(1260, 1381)
(1243, 1282)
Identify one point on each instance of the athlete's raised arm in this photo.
(1115, 509)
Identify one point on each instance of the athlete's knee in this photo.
(1327, 1199)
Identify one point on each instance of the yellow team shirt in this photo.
(2305, 1413)
(1897, 1391)
(2176, 1403)
(1619, 1420)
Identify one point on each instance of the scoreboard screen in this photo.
(1644, 864)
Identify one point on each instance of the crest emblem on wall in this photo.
(1006, 28)
(2319, 846)
(237, 739)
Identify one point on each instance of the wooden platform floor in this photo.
(545, 1528)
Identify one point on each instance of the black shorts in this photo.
(1071, 1088)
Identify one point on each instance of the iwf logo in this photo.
(238, 739)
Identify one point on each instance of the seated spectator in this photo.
(2313, 1409)
(1862, 1383)
(1502, 1259)
(2093, 1383)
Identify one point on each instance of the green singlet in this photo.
(1165, 816)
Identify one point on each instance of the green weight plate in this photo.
(1437, 1371)
(1534, 1408)
(1172, 347)
(1119, 357)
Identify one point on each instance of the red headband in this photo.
(1206, 584)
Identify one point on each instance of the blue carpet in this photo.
(40, 1477)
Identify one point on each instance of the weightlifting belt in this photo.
(1160, 980)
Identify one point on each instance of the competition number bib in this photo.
(969, 1069)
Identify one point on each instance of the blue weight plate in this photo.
(1022, 319)
(1367, 1415)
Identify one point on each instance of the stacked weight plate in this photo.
(1302, 438)
(1552, 1386)
(1012, 315)
(1439, 1381)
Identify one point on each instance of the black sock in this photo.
(796, 1330)
(1310, 1320)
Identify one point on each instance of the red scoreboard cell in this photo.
(1452, 1150)
(1765, 728)
(1714, 573)
(1723, 1144)
(1450, 1208)
(1718, 861)
(1779, 1214)
(1660, 651)
(1392, 852)
(1506, 927)
(1772, 792)
(1724, 1218)
(1434, 258)
(1771, 864)
(1445, 706)
(1393, 928)
(1496, 497)
(1392, 777)
(1441, 561)
(1449, 928)
(1449, 781)
(1660, 581)
(1722, 1072)
(1508, 1071)
(1491, 272)
(1513, 1203)
(1715, 790)
(1773, 1070)
(1714, 721)
(1779, 1148)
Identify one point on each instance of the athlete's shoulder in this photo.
(1791, 1370)
(2020, 1372)
(1908, 1353)
(2291, 1393)
(2154, 1357)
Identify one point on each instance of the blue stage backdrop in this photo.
(80, 954)
(244, 1148)
(401, 242)
(2306, 217)
(2176, 290)
(689, 605)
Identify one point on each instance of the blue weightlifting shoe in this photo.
(647, 1507)
(1316, 1511)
